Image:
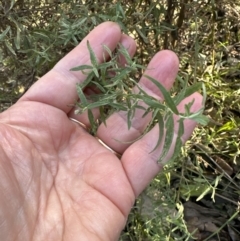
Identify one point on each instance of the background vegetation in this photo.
(197, 196)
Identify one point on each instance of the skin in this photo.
(57, 181)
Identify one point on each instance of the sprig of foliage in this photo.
(115, 82)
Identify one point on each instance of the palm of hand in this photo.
(64, 177)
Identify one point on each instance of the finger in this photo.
(58, 86)
(163, 67)
(140, 163)
(129, 44)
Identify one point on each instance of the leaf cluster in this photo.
(114, 84)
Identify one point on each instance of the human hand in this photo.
(57, 181)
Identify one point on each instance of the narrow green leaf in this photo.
(144, 38)
(177, 149)
(178, 144)
(103, 116)
(180, 96)
(108, 50)
(204, 94)
(170, 103)
(9, 6)
(205, 192)
(120, 9)
(180, 128)
(192, 115)
(17, 39)
(188, 107)
(87, 80)
(118, 107)
(133, 106)
(93, 57)
(95, 71)
(201, 119)
(169, 134)
(115, 107)
(128, 103)
(193, 88)
(41, 35)
(118, 78)
(125, 53)
(4, 33)
(99, 86)
(105, 65)
(140, 107)
(92, 121)
(94, 21)
(161, 130)
(9, 48)
(81, 95)
(97, 104)
(81, 68)
(147, 111)
(129, 119)
(80, 22)
(153, 103)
